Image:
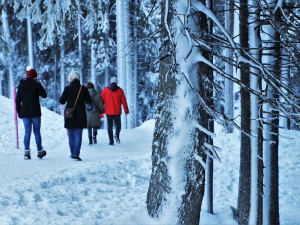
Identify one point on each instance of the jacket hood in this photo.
(113, 87)
(92, 92)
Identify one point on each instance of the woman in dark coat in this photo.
(76, 124)
(29, 109)
(93, 114)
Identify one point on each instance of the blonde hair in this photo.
(73, 75)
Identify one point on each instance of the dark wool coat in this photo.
(93, 118)
(69, 95)
(27, 99)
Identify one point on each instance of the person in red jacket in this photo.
(113, 96)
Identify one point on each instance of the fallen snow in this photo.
(110, 185)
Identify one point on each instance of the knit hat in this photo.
(113, 80)
(30, 72)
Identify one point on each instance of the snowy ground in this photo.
(110, 185)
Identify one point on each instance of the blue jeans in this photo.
(75, 139)
(36, 124)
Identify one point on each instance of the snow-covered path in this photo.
(109, 183)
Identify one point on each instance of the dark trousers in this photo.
(110, 120)
(92, 131)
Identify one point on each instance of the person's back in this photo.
(29, 110)
(75, 95)
(113, 96)
(93, 112)
(29, 91)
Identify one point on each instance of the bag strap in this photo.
(77, 97)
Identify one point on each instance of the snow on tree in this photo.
(180, 138)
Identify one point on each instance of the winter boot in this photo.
(117, 139)
(41, 153)
(27, 154)
(77, 158)
(95, 139)
(90, 141)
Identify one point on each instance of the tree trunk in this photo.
(62, 65)
(79, 40)
(245, 155)
(106, 46)
(11, 50)
(271, 171)
(30, 42)
(121, 50)
(210, 163)
(229, 98)
(93, 63)
(178, 157)
(135, 64)
(256, 165)
(129, 66)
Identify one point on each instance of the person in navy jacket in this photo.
(113, 97)
(29, 109)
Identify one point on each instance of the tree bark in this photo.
(256, 162)
(129, 66)
(229, 98)
(210, 162)
(121, 50)
(271, 124)
(9, 54)
(178, 154)
(30, 41)
(243, 206)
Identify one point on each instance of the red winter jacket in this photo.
(113, 96)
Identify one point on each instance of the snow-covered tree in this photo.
(228, 94)
(255, 216)
(180, 138)
(9, 58)
(243, 205)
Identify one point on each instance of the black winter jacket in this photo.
(69, 95)
(27, 100)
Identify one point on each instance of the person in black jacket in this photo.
(76, 124)
(29, 109)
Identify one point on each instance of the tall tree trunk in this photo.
(129, 66)
(79, 40)
(243, 206)
(121, 50)
(106, 45)
(62, 65)
(30, 42)
(271, 171)
(135, 64)
(9, 54)
(285, 69)
(177, 181)
(210, 163)
(256, 160)
(93, 62)
(229, 98)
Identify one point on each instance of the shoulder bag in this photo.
(69, 112)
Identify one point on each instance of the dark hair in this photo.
(90, 85)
